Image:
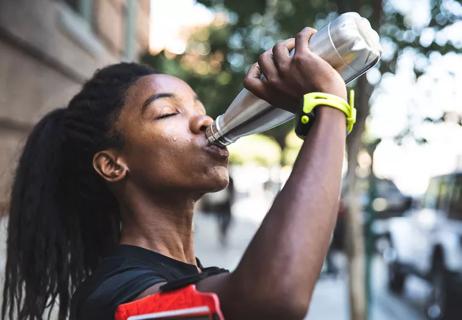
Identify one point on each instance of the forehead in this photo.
(159, 83)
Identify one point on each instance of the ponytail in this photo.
(63, 219)
(36, 231)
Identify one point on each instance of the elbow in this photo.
(289, 302)
(275, 307)
(296, 309)
(283, 309)
(246, 300)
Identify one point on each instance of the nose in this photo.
(200, 123)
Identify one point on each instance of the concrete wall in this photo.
(47, 50)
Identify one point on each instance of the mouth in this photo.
(217, 151)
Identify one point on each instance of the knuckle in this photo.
(267, 55)
(276, 49)
(247, 82)
(279, 45)
(300, 35)
(284, 68)
(299, 58)
(272, 79)
(310, 30)
(261, 58)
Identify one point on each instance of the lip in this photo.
(217, 152)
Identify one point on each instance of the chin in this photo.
(218, 179)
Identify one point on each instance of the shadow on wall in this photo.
(3, 224)
(3, 209)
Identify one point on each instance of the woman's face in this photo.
(165, 148)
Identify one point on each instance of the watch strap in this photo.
(307, 116)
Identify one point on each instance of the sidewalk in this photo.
(330, 298)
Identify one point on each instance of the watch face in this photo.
(304, 127)
(196, 313)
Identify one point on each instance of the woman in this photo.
(117, 174)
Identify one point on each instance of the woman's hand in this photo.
(286, 79)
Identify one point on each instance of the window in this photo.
(82, 7)
(75, 20)
(130, 30)
(431, 195)
(455, 207)
(74, 4)
(444, 194)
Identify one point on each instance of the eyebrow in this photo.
(154, 97)
(148, 101)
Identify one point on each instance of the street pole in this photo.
(368, 232)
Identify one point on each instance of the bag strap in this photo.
(183, 282)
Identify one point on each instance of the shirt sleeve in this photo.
(118, 288)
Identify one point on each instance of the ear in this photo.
(110, 166)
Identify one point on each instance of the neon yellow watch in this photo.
(307, 116)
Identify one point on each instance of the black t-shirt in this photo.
(122, 277)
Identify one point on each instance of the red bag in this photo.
(184, 303)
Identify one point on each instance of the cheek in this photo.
(170, 171)
(150, 159)
(173, 161)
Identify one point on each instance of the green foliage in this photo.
(217, 57)
(423, 37)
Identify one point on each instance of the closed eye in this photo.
(166, 115)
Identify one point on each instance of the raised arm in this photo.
(277, 274)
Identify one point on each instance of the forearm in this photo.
(288, 250)
(277, 273)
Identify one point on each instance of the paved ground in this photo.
(330, 296)
(330, 299)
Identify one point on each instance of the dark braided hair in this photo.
(63, 218)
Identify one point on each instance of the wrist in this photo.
(323, 111)
(341, 93)
(320, 104)
(334, 117)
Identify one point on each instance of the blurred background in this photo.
(396, 252)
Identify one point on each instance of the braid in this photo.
(63, 218)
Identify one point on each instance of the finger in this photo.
(267, 66)
(254, 71)
(301, 40)
(289, 43)
(253, 81)
(281, 53)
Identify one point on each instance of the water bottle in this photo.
(348, 43)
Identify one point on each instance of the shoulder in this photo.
(116, 281)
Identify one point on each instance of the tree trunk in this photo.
(354, 226)
(354, 235)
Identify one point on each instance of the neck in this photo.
(160, 223)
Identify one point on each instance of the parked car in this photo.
(427, 242)
(389, 200)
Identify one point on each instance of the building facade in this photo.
(48, 48)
